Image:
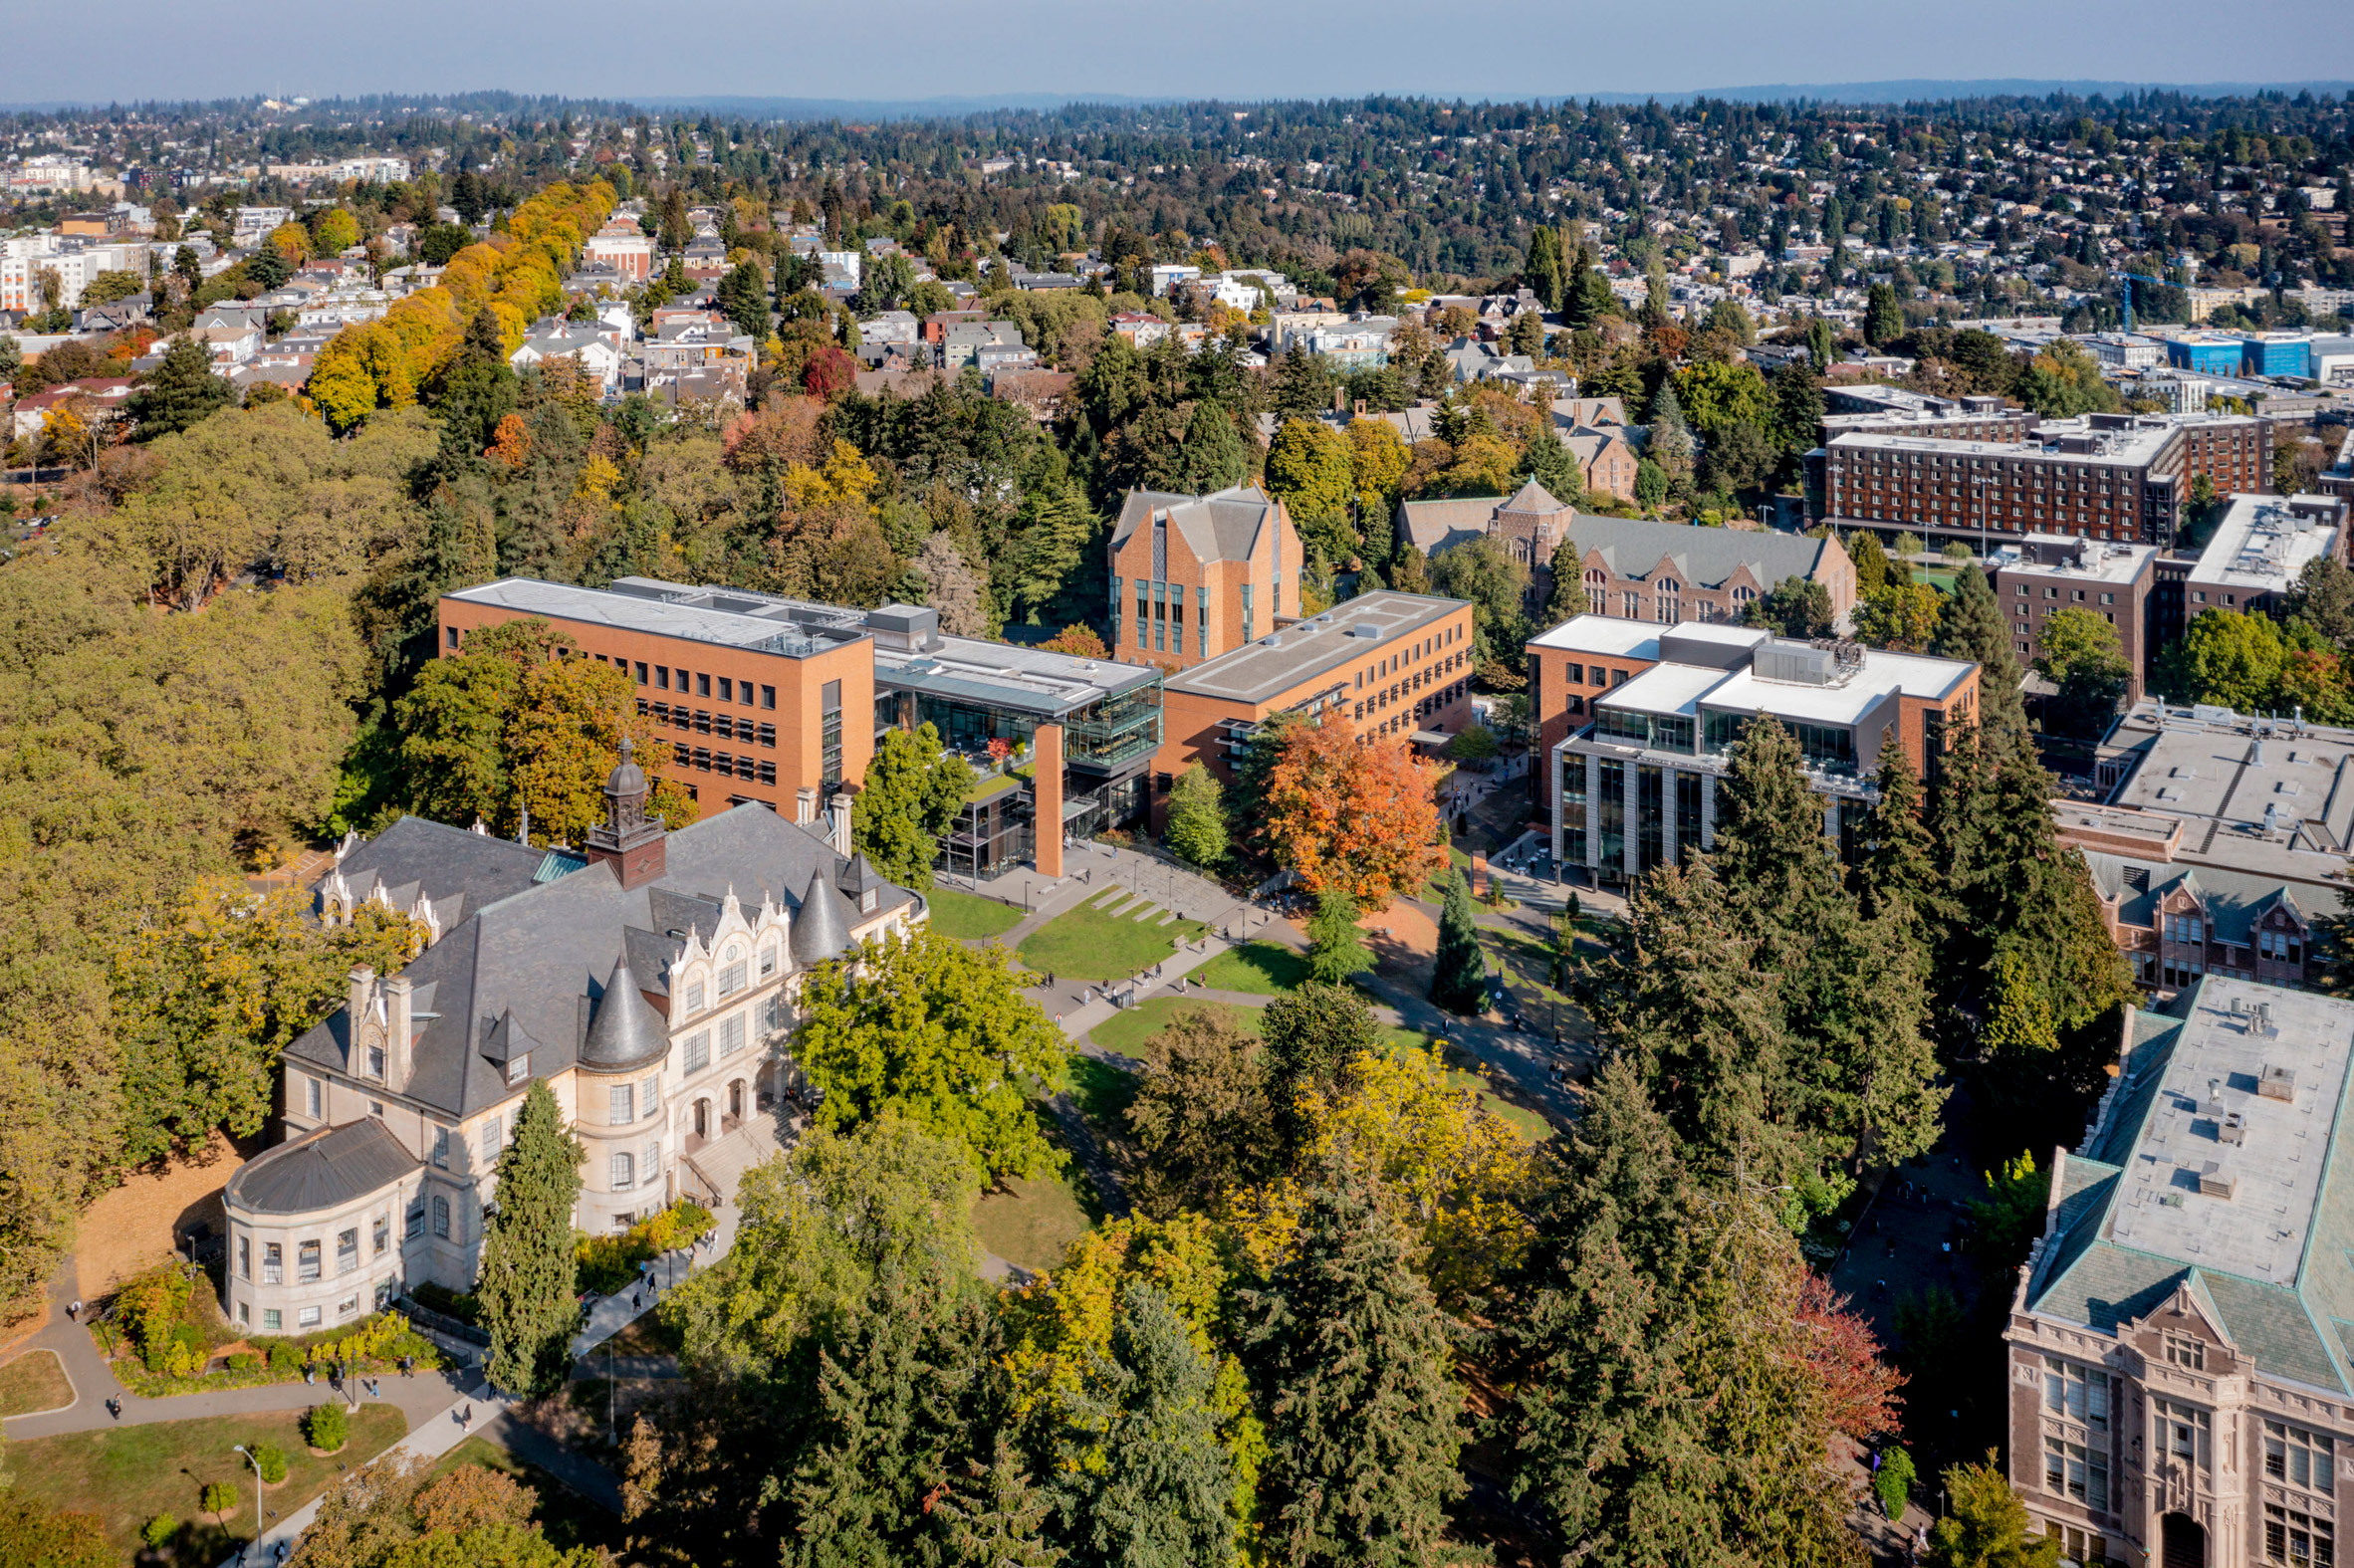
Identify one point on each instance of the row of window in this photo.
(704, 722)
(309, 1255)
(309, 1317)
(719, 687)
(750, 768)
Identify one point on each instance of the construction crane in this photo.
(2125, 282)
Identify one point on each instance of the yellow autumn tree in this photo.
(292, 241)
(1059, 1330)
(845, 476)
(1444, 1164)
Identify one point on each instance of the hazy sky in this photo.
(913, 49)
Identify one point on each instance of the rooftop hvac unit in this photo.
(2215, 1181)
(2232, 1129)
(2278, 1083)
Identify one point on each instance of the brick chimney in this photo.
(804, 807)
(396, 1033)
(838, 824)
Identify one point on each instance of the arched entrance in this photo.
(2181, 1542)
(736, 1100)
(702, 1121)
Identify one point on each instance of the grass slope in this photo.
(967, 917)
(1088, 943)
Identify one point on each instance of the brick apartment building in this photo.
(2046, 573)
(2114, 478)
(1194, 577)
(1394, 667)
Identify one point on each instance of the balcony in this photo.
(1113, 733)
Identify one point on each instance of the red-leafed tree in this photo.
(1361, 819)
(1079, 640)
(1859, 1389)
(828, 372)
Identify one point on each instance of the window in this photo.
(731, 1036)
(348, 1250)
(416, 1220)
(2186, 1350)
(662, 679)
(452, 633)
(309, 1317)
(641, 672)
(620, 1105)
(625, 1173)
(702, 685)
(382, 1235)
(441, 1218)
(698, 1051)
(491, 1140)
(767, 961)
(519, 1067)
(654, 1161)
(314, 1095)
(245, 1312)
(273, 1264)
(272, 1320)
(245, 1258)
(2296, 1456)
(307, 1261)
(376, 1062)
(768, 698)
(441, 1147)
(694, 997)
(2077, 1392)
(731, 979)
(727, 689)
(2072, 1470)
(650, 1096)
(2295, 1537)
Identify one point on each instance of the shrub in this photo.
(271, 1461)
(608, 1265)
(220, 1498)
(284, 1357)
(246, 1361)
(159, 1530)
(449, 1303)
(1893, 1480)
(327, 1427)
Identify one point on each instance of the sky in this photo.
(1231, 49)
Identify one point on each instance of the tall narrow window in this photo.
(621, 1104)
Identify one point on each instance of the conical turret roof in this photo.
(821, 925)
(625, 1031)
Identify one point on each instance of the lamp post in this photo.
(260, 1488)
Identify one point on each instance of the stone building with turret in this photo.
(650, 983)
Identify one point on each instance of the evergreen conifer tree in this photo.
(1897, 867)
(1352, 1359)
(1159, 1497)
(1211, 457)
(1552, 465)
(1770, 851)
(1459, 975)
(179, 394)
(1970, 625)
(529, 1301)
(1337, 945)
(994, 1518)
(1565, 593)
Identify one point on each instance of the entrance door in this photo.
(736, 1098)
(702, 1118)
(2181, 1542)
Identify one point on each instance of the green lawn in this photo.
(1264, 969)
(1526, 1123)
(128, 1474)
(1032, 1223)
(566, 1517)
(1437, 882)
(32, 1382)
(991, 788)
(967, 917)
(1126, 1031)
(1087, 944)
(1102, 1090)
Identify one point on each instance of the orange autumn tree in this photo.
(1362, 818)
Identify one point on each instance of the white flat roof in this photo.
(1664, 688)
(1605, 634)
(2262, 543)
(1883, 673)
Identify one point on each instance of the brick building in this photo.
(1197, 577)
(1394, 667)
(2115, 478)
(2045, 573)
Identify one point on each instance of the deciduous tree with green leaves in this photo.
(927, 1027)
(1196, 830)
(527, 1290)
(1203, 1117)
(914, 792)
(1985, 1525)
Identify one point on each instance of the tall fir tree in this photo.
(1211, 457)
(1970, 625)
(1158, 1497)
(1364, 1422)
(1898, 866)
(179, 394)
(1459, 975)
(899, 1396)
(1772, 855)
(993, 1518)
(1335, 943)
(528, 1299)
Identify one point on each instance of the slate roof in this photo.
(2109, 1254)
(458, 871)
(1221, 525)
(1630, 546)
(537, 960)
(325, 1167)
(2233, 900)
(624, 1030)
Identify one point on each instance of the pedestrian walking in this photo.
(467, 1421)
(114, 1407)
(74, 1309)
